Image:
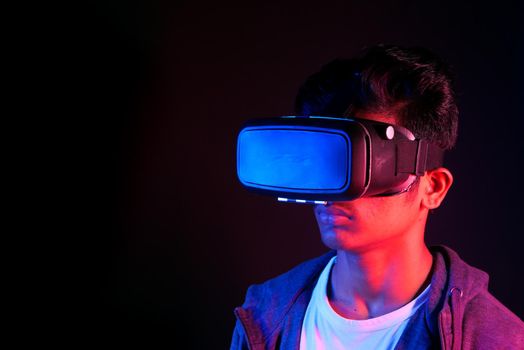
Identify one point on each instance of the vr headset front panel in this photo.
(304, 158)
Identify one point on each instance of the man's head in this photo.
(410, 87)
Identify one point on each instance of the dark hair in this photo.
(413, 84)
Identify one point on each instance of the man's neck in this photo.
(380, 280)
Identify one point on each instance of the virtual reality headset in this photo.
(318, 159)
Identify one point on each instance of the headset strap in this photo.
(415, 157)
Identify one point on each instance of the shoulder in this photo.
(485, 322)
(289, 283)
(488, 322)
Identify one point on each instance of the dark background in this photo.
(167, 241)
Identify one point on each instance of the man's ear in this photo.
(436, 184)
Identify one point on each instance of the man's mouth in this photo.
(331, 211)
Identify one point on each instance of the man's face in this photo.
(369, 222)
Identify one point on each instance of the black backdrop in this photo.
(170, 241)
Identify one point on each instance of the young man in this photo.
(380, 286)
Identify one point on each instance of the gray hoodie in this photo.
(460, 312)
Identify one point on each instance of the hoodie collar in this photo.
(453, 284)
(268, 304)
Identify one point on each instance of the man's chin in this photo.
(338, 239)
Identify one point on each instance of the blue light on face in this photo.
(294, 160)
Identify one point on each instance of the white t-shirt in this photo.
(323, 328)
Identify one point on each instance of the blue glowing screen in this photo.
(294, 160)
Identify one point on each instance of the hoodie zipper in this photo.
(451, 318)
(456, 294)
